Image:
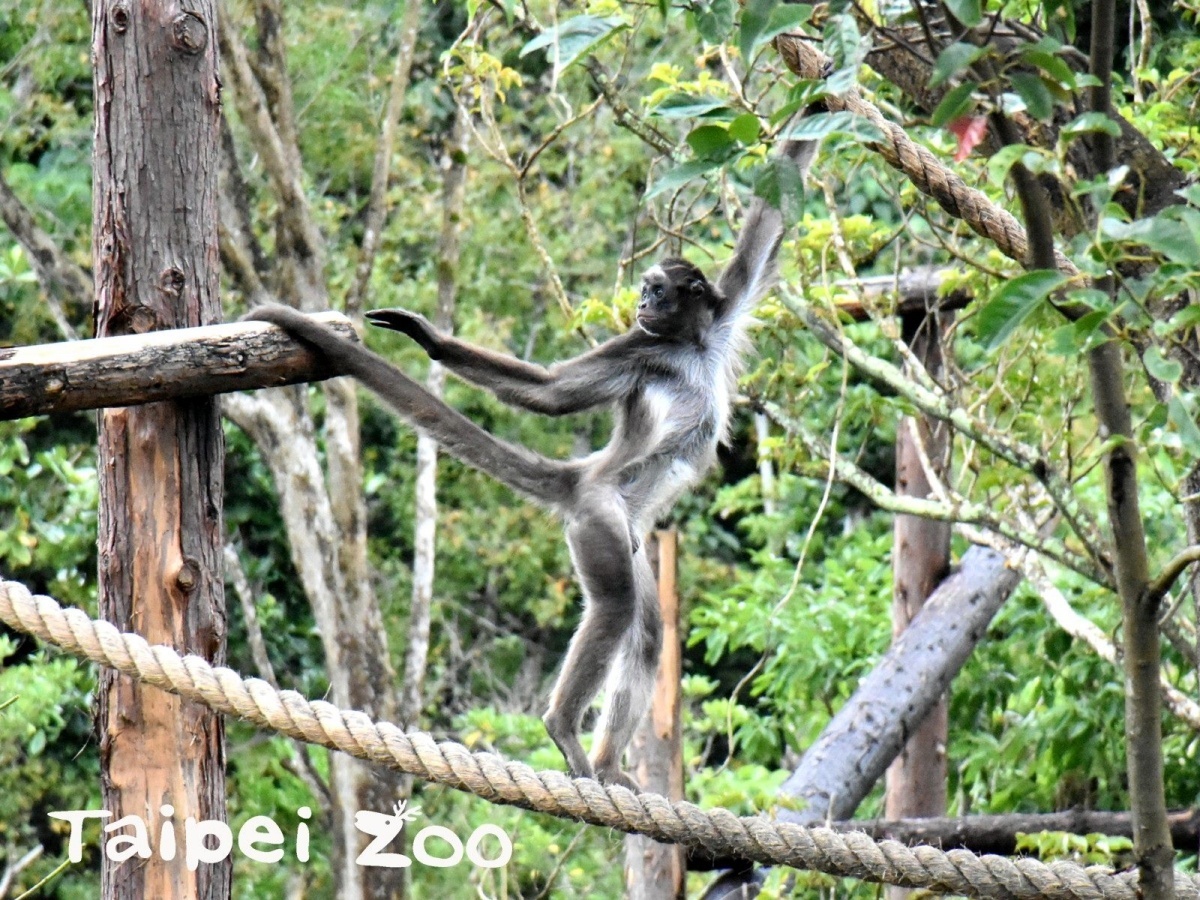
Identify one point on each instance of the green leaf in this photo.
(1015, 302)
(952, 60)
(1168, 370)
(1174, 232)
(745, 128)
(781, 184)
(1082, 335)
(955, 104)
(1091, 122)
(1191, 194)
(756, 15)
(681, 175)
(1188, 317)
(1054, 66)
(710, 141)
(574, 38)
(714, 19)
(842, 41)
(1183, 421)
(969, 12)
(687, 106)
(819, 125)
(1034, 92)
(785, 17)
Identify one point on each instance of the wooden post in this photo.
(157, 99)
(916, 781)
(655, 871)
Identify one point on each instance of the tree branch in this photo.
(59, 276)
(1027, 459)
(380, 173)
(1157, 589)
(1084, 629)
(950, 509)
(304, 242)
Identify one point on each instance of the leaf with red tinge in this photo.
(970, 131)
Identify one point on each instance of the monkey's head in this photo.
(677, 302)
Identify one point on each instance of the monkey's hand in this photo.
(415, 325)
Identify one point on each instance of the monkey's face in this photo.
(676, 302)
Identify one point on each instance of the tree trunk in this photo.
(155, 254)
(655, 871)
(916, 779)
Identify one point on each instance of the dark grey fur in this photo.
(671, 379)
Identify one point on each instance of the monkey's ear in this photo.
(697, 286)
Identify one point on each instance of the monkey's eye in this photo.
(658, 291)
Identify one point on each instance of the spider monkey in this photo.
(671, 379)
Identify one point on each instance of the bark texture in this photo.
(655, 871)
(916, 779)
(162, 365)
(155, 263)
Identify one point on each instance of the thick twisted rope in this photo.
(717, 831)
(928, 173)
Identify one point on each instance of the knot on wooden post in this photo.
(189, 33)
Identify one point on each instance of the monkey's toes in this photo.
(621, 777)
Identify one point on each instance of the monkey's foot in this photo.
(621, 777)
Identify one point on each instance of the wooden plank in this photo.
(133, 369)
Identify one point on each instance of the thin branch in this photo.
(381, 172)
(957, 510)
(602, 81)
(306, 771)
(61, 278)
(285, 175)
(1083, 628)
(270, 69)
(1157, 589)
(12, 870)
(236, 218)
(934, 403)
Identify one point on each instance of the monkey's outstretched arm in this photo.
(550, 482)
(752, 270)
(597, 377)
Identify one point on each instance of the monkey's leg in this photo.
(598, 536)
(631, 680)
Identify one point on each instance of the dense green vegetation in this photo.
(787, 597)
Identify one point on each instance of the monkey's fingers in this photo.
(415, 325)
(396, 319)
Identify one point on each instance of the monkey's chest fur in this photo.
(666, 435)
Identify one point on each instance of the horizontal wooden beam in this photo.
(913, 292)
(160, 365)
(990, 833)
